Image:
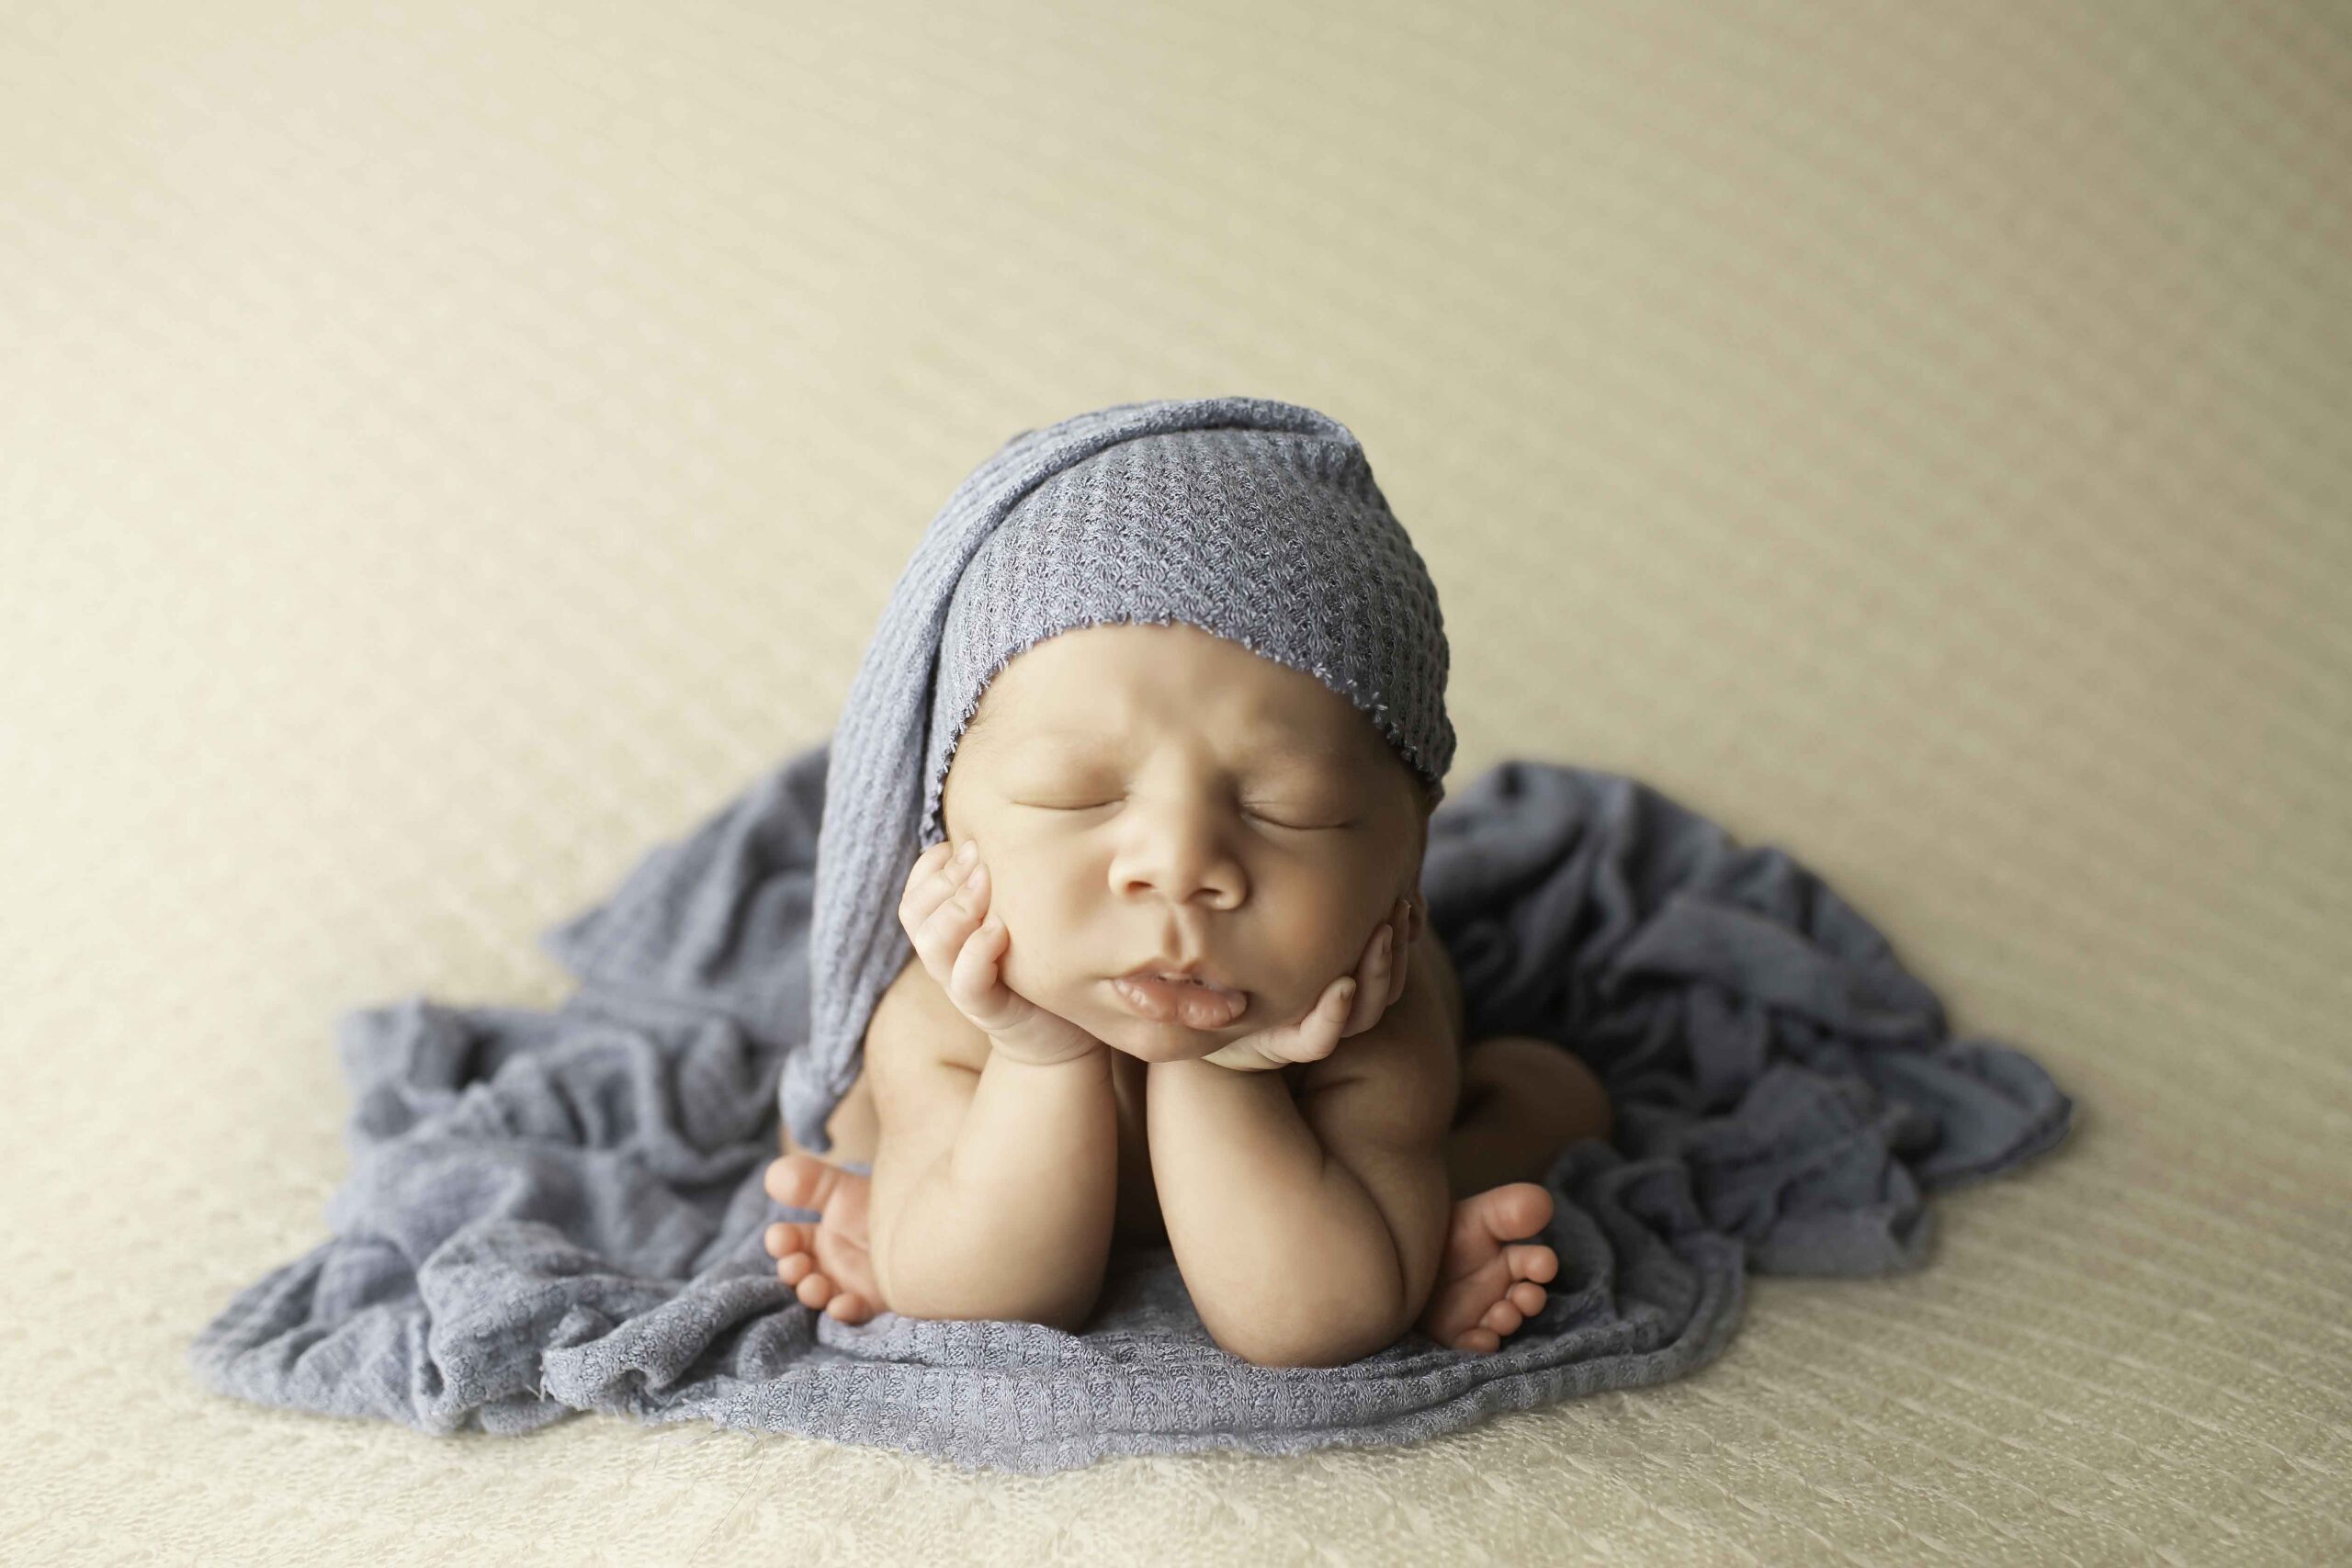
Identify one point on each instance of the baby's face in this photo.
(1142, 793)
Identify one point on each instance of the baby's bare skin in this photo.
(1008, 1158)
(1524, 1101)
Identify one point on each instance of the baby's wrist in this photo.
(1077, 1052)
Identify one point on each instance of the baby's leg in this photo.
(1524, 1101)
(1016, 1225)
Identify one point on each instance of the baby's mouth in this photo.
(1191, 1003)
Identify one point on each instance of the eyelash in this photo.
(1287, 827)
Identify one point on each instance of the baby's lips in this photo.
(1166, 1001)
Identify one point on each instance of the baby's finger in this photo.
(1372, 983)
(1317, 1035)
(974, 978)
(940, 935)
(928, 884)
(950, 876)
(1400, 961)
(1403, 930)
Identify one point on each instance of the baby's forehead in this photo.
(1267, 710)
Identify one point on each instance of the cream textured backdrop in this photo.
(445, 450)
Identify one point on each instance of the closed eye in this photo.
(1247, 811)
(1293, 827)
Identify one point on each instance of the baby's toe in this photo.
(794, 1267)
(797, 1181)
(1479, 1341)
(1527, 1296)
(786, 1237)
(848, 1307)
(1532, 1261)
(1503, 1318)
(815, 1290)
(1519, 1208)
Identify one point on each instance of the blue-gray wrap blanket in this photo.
(551, 1212)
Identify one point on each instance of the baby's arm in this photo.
(994, 1190)
(997, 1158)
(1309, 1232)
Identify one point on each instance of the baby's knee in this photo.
(1543, 1081)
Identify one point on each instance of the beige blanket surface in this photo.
(443, 450)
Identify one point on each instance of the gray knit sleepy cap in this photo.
(1254, 520)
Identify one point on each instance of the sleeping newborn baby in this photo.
(1169, 983)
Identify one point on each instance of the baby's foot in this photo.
(826, 1261)
(1487, 1284)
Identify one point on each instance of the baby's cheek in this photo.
(1300, 985)
(1039, 960)
(1346, 924)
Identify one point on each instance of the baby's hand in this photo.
(943, 908)
(1378, 981)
